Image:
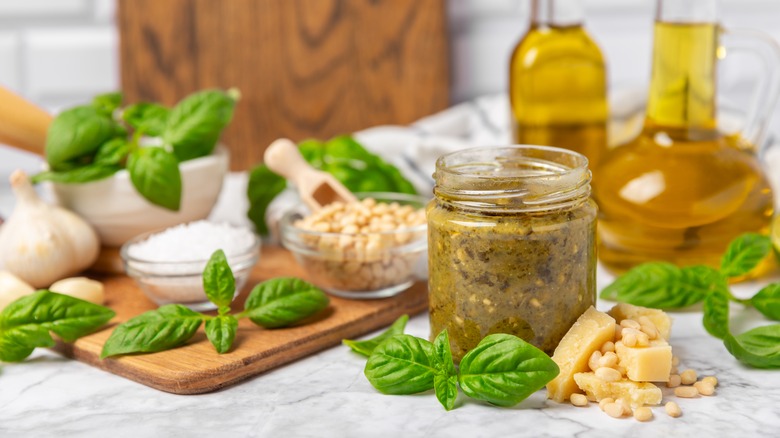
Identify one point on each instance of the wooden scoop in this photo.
(317, 188)
(22, 124)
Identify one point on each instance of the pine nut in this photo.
(673, 409)
(605, 401)
(608, 374)
(613, 410)
(688, 377)
(712, 380)
(686, 391)
(630, 323)
(578, 400)
(629, 339)
(674, 381)
(643, 414)
(593, 362)
(642, 340)
(704, 388)
(609, 359)
(626, 407)
(607, 347)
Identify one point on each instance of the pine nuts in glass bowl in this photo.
(364, 250)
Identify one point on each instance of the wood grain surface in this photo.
(305, 68)
(197, 368)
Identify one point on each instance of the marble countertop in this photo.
(327, 395)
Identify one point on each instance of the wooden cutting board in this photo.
(197, 368)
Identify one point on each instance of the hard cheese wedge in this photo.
(627, 311)
(646, 364)
(636, 393)
(588, 334)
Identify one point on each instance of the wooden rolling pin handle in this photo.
(22, 123)
(284, 158)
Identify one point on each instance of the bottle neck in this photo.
(683, 83)
(557, 13)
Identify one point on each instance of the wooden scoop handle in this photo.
(284, 158)
(22, 123)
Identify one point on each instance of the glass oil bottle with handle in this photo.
(682, 189)
(557, 82)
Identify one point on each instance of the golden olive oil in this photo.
(557, 88)
(682, 190)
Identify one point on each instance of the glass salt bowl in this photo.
(181, 282)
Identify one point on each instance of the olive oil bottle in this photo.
(682, 190)
(557, 82)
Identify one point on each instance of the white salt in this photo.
(193, 241)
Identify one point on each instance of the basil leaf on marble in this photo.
(221, 331)
(767, 301)
(367, 346)
(716, 314)
(27, 322)
(155, 174)
(167, 327)
(283, 301)
(445, 380)
(504, 370)
(758, 348)
(403, 364)
(218, 281)
(744, 254)
(663, 285)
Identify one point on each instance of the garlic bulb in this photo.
(12, 288)
(41, 243)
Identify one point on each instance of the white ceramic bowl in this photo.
(118, 212)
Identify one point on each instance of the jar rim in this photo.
(517, 177)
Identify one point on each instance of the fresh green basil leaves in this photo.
(365, 348)
(27, 323)
(91, 142)
(663, 285)
(272, 304)
(344, 158)
(502, 370)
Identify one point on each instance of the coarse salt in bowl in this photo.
(168, 265)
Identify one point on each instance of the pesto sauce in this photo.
(526, 274)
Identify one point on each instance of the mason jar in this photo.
(511, 241)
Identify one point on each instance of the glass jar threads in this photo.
(511, 245)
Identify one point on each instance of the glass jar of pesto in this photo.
(511, 245)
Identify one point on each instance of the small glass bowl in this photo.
(343, 272)
(181, 282)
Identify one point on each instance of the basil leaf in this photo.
(195, 123)
(155, 174)
(25, 323)
(107, 102)
(77, 132)
(262, 188)
(663, 285)
(113, 152)
(716, 314)
(149, 118)
(767, 301)
(167, 327)
(218, 281)
(221, 331)
(367, 347)
(504, 370)
(759, 348)
(403, 364)
(745, 253)
(79, 175)
(283, 301)
(445, 380)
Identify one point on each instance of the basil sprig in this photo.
(366, 347)
(28, 322)
(91, 142)
(275, 303)
(665, 286)
(502, 370)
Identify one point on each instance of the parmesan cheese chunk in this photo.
(591, 330)
(646, 364)
(627, 311)
(635, 393)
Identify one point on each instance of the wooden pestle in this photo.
(22, 124)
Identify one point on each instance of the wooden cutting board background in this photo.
(197, 368)
(305, 68)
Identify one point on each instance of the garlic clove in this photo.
(82, 288)
(42, 243)
(12, 288)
